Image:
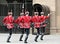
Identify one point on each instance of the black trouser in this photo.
(10, 33)
(42, 32)
(42, 29)
(26, 30)
(38, 33)
(22, 32)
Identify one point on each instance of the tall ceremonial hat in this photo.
(36, 12)
(10, 12)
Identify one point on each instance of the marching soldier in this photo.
(8, 22)
(20, 23)
(27, 22)
(36, 20)
(43, 24)
(24, 23)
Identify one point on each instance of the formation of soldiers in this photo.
(24, 21)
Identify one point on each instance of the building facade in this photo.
(54, 6)
(55, 13)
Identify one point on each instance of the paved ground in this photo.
(48, 39)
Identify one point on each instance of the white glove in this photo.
(48, 14)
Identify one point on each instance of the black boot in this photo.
(36, 38)
(42, 36)
(8, 39)
(41, 39)
(26, 40)
(21, 38)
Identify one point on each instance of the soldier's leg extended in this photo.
(22, 30)
(27, 34)
(42, 32)
(38, 33)
(10, 33)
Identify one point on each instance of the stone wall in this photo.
(51, 4)
(58, 15)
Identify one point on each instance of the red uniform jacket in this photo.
(20, 22)
(43, 18)
(27, 21)
(36, 20)
(8, 21)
